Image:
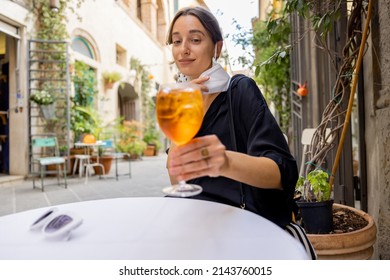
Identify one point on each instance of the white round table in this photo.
(151, 228)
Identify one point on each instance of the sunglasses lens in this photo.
(42, 217)
(58, 223)
(38, 223)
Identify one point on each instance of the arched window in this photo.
(81, 45)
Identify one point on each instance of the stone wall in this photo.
(377, 102)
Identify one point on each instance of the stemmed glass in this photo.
(179, 110)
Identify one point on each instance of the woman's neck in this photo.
(208, 99)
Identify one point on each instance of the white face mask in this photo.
(219, 79)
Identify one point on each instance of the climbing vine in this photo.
(271, 61)
(148, 106)
(274, 78)
(51, 24)
(322, 16)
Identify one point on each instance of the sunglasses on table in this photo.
(56, 224)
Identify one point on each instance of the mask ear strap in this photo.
(215, 54)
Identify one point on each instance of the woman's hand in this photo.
(202, 156)
(207, 156)
(199, 81)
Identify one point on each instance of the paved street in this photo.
(149, 176)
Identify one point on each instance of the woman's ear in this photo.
(219, 48)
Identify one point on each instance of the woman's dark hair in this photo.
(206, 18)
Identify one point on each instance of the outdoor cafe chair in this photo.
(110, 149)
(45, 152)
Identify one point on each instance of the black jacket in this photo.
(258, 134)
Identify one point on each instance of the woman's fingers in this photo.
(199, 81)
(203, 156)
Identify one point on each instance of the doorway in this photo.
(4, 106)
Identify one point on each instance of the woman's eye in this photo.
(195, 40)
(176, 42)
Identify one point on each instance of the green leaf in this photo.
(257, 71)
(319, 182)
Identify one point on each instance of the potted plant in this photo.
(315, 203)
(46, 101)
(130, 140)
(152, 139)
(135, 148)
(110, 78)
(150, 150)
(328, 224)
(105, 160)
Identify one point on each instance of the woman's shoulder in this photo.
(240, 79)
(244, 83)
(245, 88)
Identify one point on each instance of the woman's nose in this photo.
(185, 47)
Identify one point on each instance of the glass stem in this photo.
(182, 183)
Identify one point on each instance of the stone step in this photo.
(8, 180)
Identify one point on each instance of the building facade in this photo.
(105, 35)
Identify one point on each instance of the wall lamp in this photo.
(54, 5)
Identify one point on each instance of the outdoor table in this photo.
(89, 165)
(151, 228)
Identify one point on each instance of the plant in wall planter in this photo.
(46, 101)
(110, 78)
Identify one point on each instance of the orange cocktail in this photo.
(179, 111)
(180, 114)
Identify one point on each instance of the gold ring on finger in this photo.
(204, 152)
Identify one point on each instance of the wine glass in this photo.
(179, 109)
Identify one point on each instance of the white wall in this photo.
(108, 24)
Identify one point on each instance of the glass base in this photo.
(183, 190)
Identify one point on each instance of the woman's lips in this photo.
(186, 62)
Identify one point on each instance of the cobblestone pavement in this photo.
(149, 176)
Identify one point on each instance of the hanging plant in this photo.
(110, 78)
(42, 97)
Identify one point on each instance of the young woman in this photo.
(260, 172)
(239, 156)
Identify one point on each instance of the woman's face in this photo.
(192, 47)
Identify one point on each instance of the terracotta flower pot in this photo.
(109, 85)
(356, 245)
(106, 161)
(150, 150)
